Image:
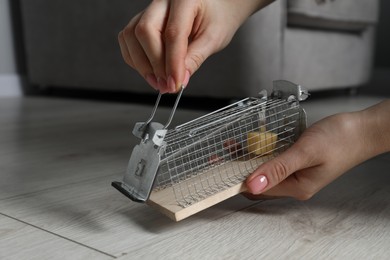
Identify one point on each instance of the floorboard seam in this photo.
(57, 235)
(60, 186)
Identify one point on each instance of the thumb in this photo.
(198, 51)
(275, 171)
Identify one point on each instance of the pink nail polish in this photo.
(171, 84)
(258, 184)
(162, 84)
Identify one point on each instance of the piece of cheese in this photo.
(260, 143)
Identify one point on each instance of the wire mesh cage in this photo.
(249, 132)
(212, 153)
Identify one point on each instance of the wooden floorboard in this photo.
(350, 219)
(58, 158)
(95, 214)
(48, 143)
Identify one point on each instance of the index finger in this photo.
(178, 28)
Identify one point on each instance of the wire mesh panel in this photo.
(219, 150)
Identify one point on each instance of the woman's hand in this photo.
(170, 39)
(325, 151)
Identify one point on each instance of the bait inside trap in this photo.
(193, 166)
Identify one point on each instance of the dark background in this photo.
(378, 85)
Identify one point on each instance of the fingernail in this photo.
(186, 78)
(258, 184)
(171, 84)
(162, 84)
(152, 81)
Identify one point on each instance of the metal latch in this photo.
(146, 156)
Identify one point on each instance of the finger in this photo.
(273, 172)
(125, 53)
(151, 79)
(179, 25)
(137, 54)
(148, 32)
(199, 50)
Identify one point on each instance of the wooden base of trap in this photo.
(164, 201)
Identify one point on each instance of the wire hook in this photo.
(174, 107)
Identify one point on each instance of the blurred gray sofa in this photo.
(320, 44)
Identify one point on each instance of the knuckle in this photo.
(306, 153)
(280, 171)
(127, 32)
(141, 30)
(197, 59)
(171, 33)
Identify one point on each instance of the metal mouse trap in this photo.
(190, 167)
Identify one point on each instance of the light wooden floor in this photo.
(58, 158)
